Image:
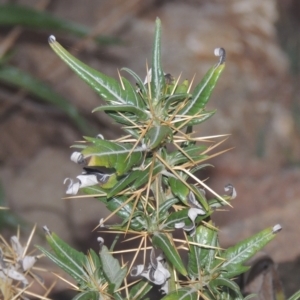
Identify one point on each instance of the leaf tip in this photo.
(46, 229)
(276, 228)
(51, 39)
(221, 53)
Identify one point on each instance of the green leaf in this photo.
(132, 93)
(13, 15)
(157, 74)
(173, 99)
(137, 114)
(176, 217)
(235, 256)
(139, 290)
(139, 82)
(165, 206)
(165, 243)
(205, 115)
(105, 86)
(203, 90)
(157, 135)
(66, 257)
(125, 212)
(218, 282)
(179, 189)
(112, 270)
(144, 175)
(95, 259)
(182, 190)
(18, 78)
(183, 87)
(115, 155)
(89, 295)
(64, 264)
(182, 294)
(296, 296)
(123, 183)
(190, 152)
(202, 256)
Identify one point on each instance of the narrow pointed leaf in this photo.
(173, 99)
(179, 189)
(76, 273)
(202, 256)
(139, 290)
(175, 218)
(157, 74)
(165, 206)
(125, 212)
(157, 135)
(111, 268)
(105, 86)
(70, 260)
(203, 90)
(182, 294)
(63, 251)
(205, 115)
(218, 282)
(113, 155)
(89, 295)
(138, 80)
(182, 190)
(133, 94)
(20, 79)
(117, 296)
(138, 113)
(190, 152)
(295, 296)
(123, 183)
(144, 176)
(244, 250)
(165, 243)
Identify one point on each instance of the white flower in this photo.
(195, 211)
(77, 158)
(84, 180)
(23, 263)
(155, 272)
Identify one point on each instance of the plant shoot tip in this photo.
(221, 53)
(277, 228)
(46, 229)
(51, 39)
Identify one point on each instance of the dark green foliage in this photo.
(154, 190)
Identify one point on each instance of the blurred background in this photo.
(44, 107)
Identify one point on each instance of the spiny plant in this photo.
(17, 270)
(148, 178)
